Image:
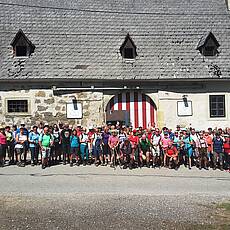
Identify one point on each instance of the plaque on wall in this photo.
(184, 108)
(74, 110)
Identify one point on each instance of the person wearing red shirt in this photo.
(227, 151)
(134, 140)
(171, 154)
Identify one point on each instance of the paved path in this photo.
(89, 179)
(61, 197)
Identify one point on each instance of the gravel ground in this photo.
(61, 197)
(106, 211)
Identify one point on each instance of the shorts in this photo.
(19, 151)
(156, 151)
(189, 152)
(46, 152)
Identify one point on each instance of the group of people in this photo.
(115, 145)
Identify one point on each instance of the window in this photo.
(217, 105)
(128, 53)
(17, 106)
(209, 51)
(22, 46)
(128, 48)
(21, 51)
(208, 45)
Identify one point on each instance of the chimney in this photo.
(228, 4)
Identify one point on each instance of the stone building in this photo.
(143, 62)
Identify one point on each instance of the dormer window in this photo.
(128, 48)
(208, 45)
(22, 46)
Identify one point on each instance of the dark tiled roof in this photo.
(82, 39)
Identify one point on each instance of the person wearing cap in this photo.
(171, 154)
(144, 150)
(21, 147)
(125, 153)
(3, 145)
(218, 151)
(65, 142)
(113, 145)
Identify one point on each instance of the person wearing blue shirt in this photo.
(218, 151)
(74, 147)
(33, 145)
(188, 147)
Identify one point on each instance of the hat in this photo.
(134, 131)
(90, 127)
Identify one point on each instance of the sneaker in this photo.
(71, 164)
(125, 166)
(43, 166)
(78, 163)
(32, 164)
(64, 163)
(84, 163)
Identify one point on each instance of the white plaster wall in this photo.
(200, 103)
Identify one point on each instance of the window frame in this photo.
(131, 50)
(211, 109)
(18, 113)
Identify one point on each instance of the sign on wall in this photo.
(184, 108)
(74, 110)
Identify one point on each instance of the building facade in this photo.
(143, 63)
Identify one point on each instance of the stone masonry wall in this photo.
(47, 107)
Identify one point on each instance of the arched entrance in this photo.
(134, 108)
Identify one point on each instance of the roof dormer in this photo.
(208, 45)
(22, 46)
(128, 48)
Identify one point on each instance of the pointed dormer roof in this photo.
(128, 39)
(20, 34)
(205, 38)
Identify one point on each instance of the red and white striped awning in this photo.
(141, 107)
